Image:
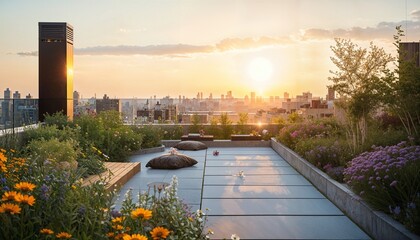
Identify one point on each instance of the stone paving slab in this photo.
(285, 227)
(255, 180)
(247, 163)
(261, 192)
(263, 170)
(243, 157)
(270, 207)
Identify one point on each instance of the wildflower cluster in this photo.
(38, 202)
(388, 178)
(156, 215)
(291, 134)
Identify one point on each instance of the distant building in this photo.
(410, 51)
(55, 68)
(331, 94)
(6, 106)
(107, 104)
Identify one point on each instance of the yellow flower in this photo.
(120, 236)
(118, 220)
(46, 231)
(9, 208)
(63, 235)
(142, 213)
(25, 186)
(10, 196)
(2, 150)
(30, 200)
(12, 150)
(159, 233)
(73, 187)
(135, 237)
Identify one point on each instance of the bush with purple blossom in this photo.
(389, 179)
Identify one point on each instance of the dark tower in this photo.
(55, 68)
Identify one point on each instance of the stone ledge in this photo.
(223, 143)
(377, 224)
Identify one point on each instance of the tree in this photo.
(196, 123)
(402, 94)
(359, 82)
(242, 122)
(226, 125)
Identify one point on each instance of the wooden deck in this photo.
(116, 175)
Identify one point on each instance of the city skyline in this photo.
(143, 48)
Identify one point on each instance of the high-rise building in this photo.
(7, 93)
(410, 51)
(252, 97)
(16, 95)
(55, 68)
(107, 104)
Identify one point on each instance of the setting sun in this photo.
(260, 70)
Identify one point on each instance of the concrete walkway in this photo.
(270, 200)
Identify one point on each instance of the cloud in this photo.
(382, 31)
(153, 50)
(415, 14)
(28, 54)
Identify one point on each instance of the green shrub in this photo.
(54, 154)
(58, 119)
(160, 207)
(107, 132)
(151, 136)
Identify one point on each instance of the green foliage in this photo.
(107, 132)
(196, 124)
(166, 211)
(60, 203)
(226, 126)
(173, 132)
(55, 154)
(58, 119)
(294, 117)
(359, 81)
(151, 135)
(48, 132)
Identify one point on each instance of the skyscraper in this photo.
(55, 68)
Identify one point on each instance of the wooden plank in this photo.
(120, 174)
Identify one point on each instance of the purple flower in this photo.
(397, 210)
(411, 205)
(393, 184)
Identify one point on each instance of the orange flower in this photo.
(3, 158)
(135, 237)
(142, 213)
(25, 186)
(3, 167)
(10, 196)
(9, 208)
(63, 235)
(30, 200)
(110, 234)
(118, 227)
(118, 220)
(159, 233)
(46, 231)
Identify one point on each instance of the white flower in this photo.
(173, 151)
(235, 237)
(264, 132)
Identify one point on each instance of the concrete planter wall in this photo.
(149, 150)
(223, 143)
(375, 223)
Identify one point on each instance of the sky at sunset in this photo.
(134, 48)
